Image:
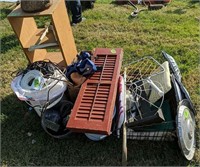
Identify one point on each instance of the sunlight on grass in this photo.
(174, 29)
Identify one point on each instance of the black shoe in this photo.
(75, 23)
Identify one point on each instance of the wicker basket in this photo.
(35, 5)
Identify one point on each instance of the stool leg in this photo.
(124, 146)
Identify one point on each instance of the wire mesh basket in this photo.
(164, 135)
(147, 114)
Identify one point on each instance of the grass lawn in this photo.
(174, 29)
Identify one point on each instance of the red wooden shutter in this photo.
(94, 106)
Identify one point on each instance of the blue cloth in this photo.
(84, 66)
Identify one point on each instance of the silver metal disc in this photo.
(186, 130)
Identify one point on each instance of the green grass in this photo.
(174, 29)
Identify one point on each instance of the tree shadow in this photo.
(8, 42)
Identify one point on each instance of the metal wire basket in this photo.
(147, 114)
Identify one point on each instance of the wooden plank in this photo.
(64, 33)
(38, 54)
(18, 12)
(24, 28)
(56, 57)
(49, 38)
(102, 104)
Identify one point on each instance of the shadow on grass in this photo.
(177, 11)
(117, 3)
(193, 2)
(4, 13)
(87, 5)
(183, 10)
(25, 143)
(8, 42)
